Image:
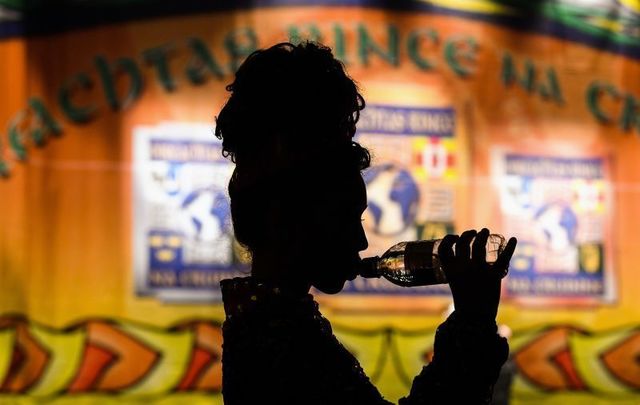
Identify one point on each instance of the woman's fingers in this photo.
(445, 253)
(479, 249)
(463, 248)
(502, 263)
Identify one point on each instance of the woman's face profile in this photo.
(334, 235)
(291, 118)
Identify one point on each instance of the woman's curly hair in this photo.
(293, 109)
(300, 94)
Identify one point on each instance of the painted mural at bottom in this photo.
(93, 360)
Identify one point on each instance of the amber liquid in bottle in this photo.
(416, 263)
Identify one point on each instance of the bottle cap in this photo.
(368, 267)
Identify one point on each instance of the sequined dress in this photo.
(279, 349)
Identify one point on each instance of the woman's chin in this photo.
(330, 287)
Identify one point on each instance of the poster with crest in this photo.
(410, 185)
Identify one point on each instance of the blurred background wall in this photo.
(114, 226)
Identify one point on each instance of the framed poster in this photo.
(559, 208)
(183, 239)
(410, 185)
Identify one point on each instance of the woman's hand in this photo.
(475, 284)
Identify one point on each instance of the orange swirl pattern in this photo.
(120, 357)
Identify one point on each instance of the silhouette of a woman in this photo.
(297, 197)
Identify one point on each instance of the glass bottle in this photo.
(416, 263)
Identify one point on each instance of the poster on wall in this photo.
(410, 184)
(558, 208)
(183, 239)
